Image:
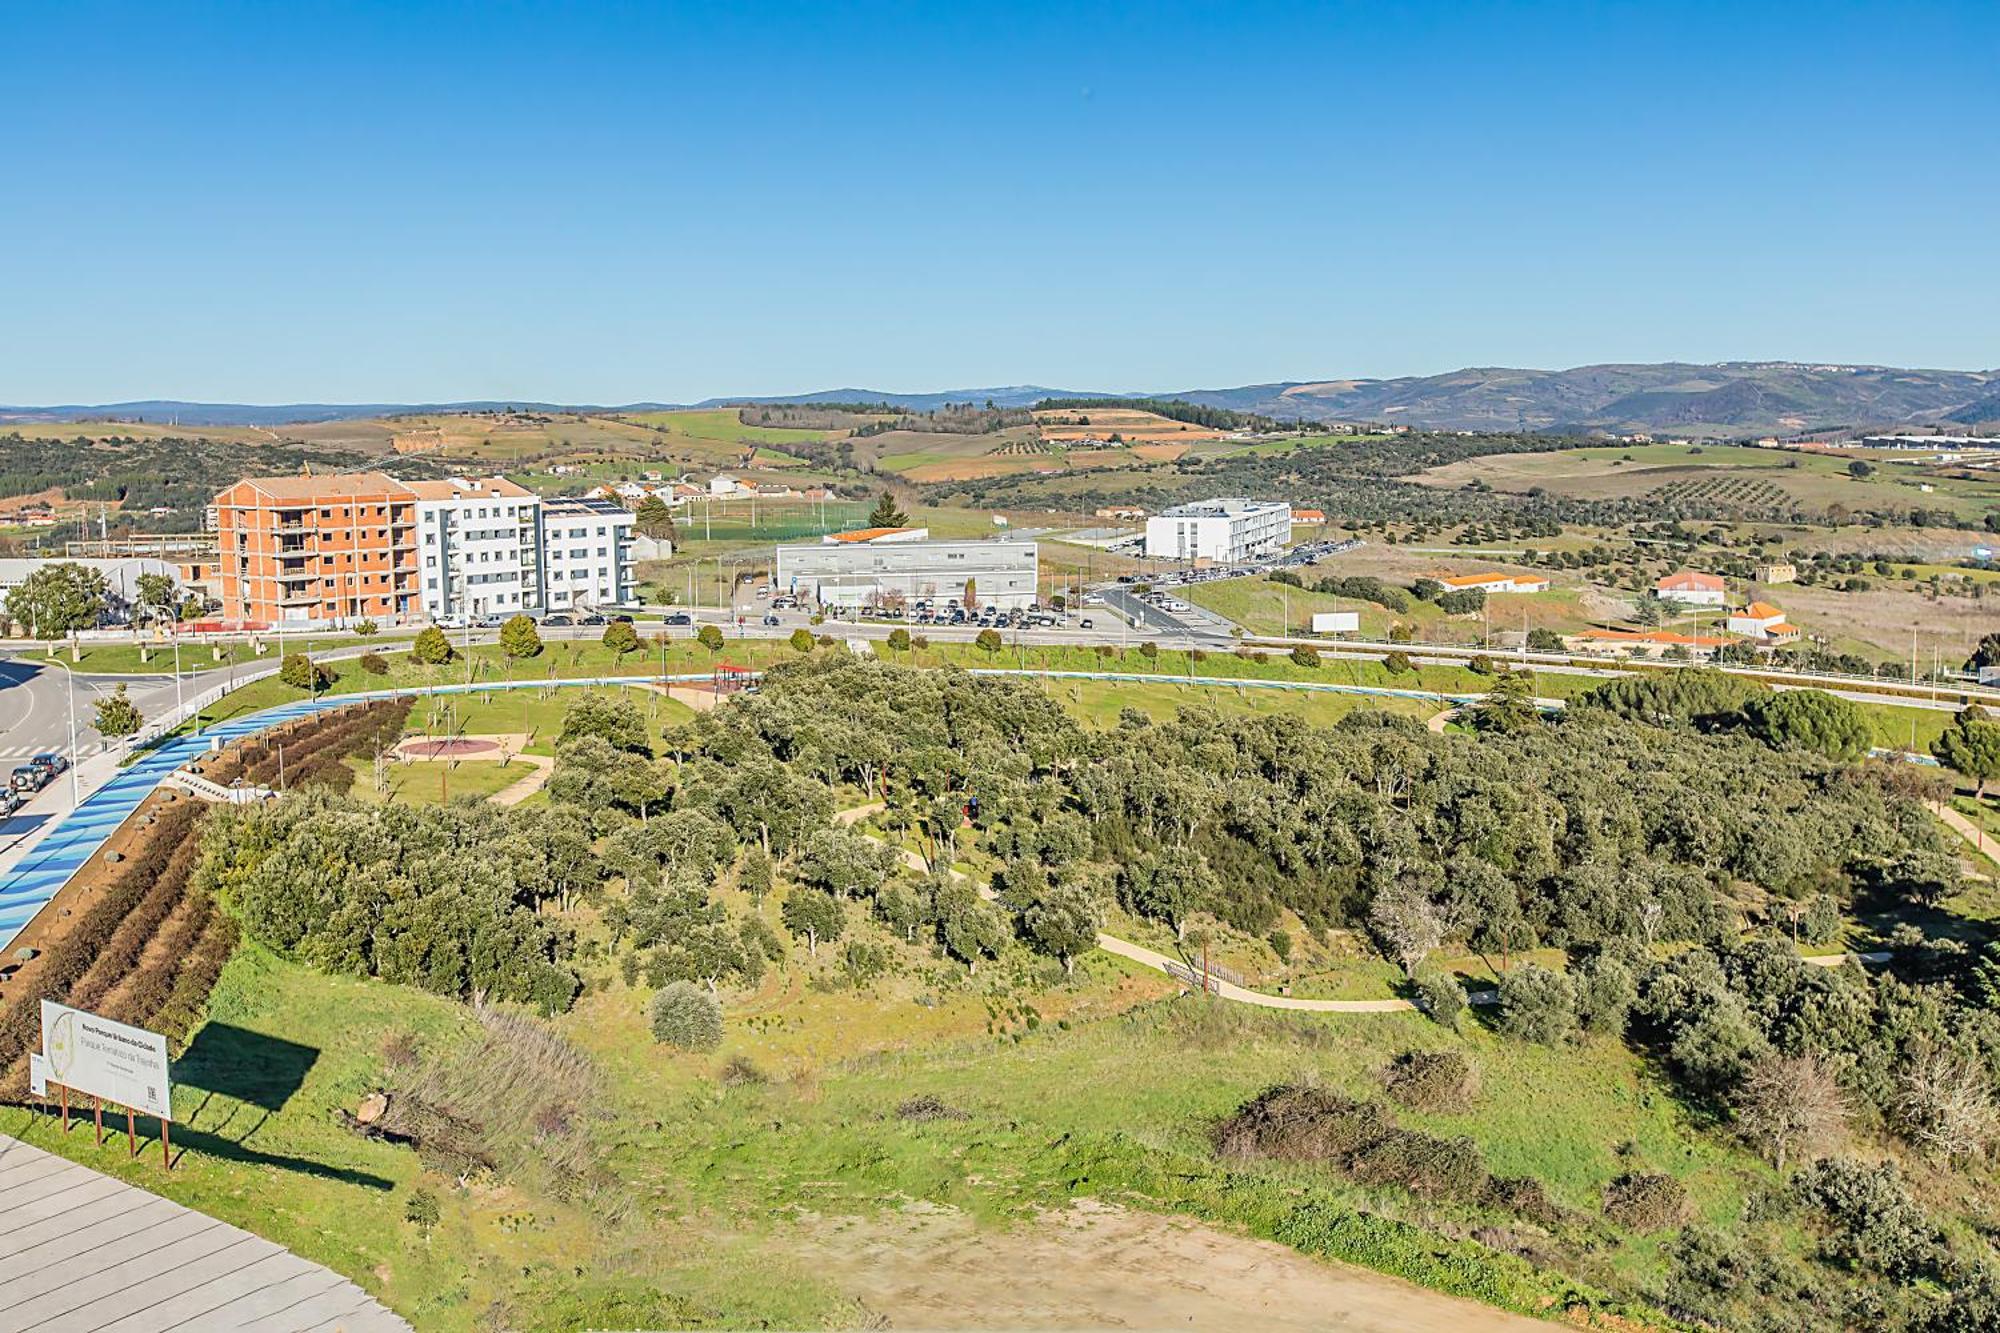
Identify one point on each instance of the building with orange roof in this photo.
(1692, 588)
(1306, 518)
(343, 548)
(332, 549)
(1646, 643)
(1763, 622)
(877, 536)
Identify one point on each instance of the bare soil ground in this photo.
(1099, 1266)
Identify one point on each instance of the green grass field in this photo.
(433, 782)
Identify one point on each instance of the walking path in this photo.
(83, 1253)
(1967, 830)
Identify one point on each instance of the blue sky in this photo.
(606, 203)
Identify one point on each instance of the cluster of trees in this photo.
(443, 898)
(1173, 409)
(180, 473)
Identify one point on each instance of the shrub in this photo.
(1537, 1005)
(899, 640)
(365, 628)
(1422, 1164)
(920, 641)
(1293, 1123)
(1398, 664)
(988, 642)
(421, 1210)
(431, 647)
(1877, 1225)
(1432, 1081)
(621, 637)
(374, 664)
(710, 638)
(1646, 1201)
(801, 640)
(520, 638)
(1440, 996)
(1305, 655)
(1605, 993)
(685, 1015)
(302, 673)
(1526, 1197)
(926, 1107)
(740, 1070)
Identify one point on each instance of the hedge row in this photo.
(315, 752)
(70, 958)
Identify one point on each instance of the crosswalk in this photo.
(17, 752)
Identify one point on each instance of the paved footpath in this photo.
(83, 1253)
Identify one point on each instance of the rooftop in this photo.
(1688, 578)
(454, 487)
(1760, 611)
(1222, 508)
(866, 534)
(330, 486)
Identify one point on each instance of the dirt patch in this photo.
(1097, 1266)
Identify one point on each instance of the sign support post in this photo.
(99, 1114)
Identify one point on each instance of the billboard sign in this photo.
(1336, 622)
(101, 1058)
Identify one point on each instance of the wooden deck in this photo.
(81, 1252)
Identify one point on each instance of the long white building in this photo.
(1226, 531)
(859, 574)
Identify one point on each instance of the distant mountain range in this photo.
(1728, 399)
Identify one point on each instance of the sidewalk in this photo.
(22, 831)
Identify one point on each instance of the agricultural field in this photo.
(1099, 425)
(1732, 474)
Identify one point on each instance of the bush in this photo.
(1305, 655)
(621, 637)
(1877, 1225)
(1422, 1164)
(1526, 1197)
(302, 673)
(1293, 1123)
(1605, 993)
(926, 1107)
(1440, 996)
(710, 638)
(1432, 1081)
(421, 1210)
(801, 640)
(1537, 1005)
(431, 647)
(520, 638)
(988, 642)
(374, 664)
(740, 1071)
(365, 628)
(1398, 664)
(1646, 1201)
(685, 1015)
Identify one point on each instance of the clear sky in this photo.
(607, 203)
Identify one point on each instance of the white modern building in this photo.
(1223, 531)
(586, 555)
(478, 547)
(860, 574)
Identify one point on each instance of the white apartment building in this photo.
(1227, 531)
(478, 547)
(859, 574)
(586, 555)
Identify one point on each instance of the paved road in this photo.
(34, 706)
(84, 1253)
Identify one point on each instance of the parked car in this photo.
(28, 778)
(622, 619)
(558, 621)
(488, 622)
(53, 764)
(680, 618)
(591, 619)
(1084, 623)
(10, 801)
(771, 620)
